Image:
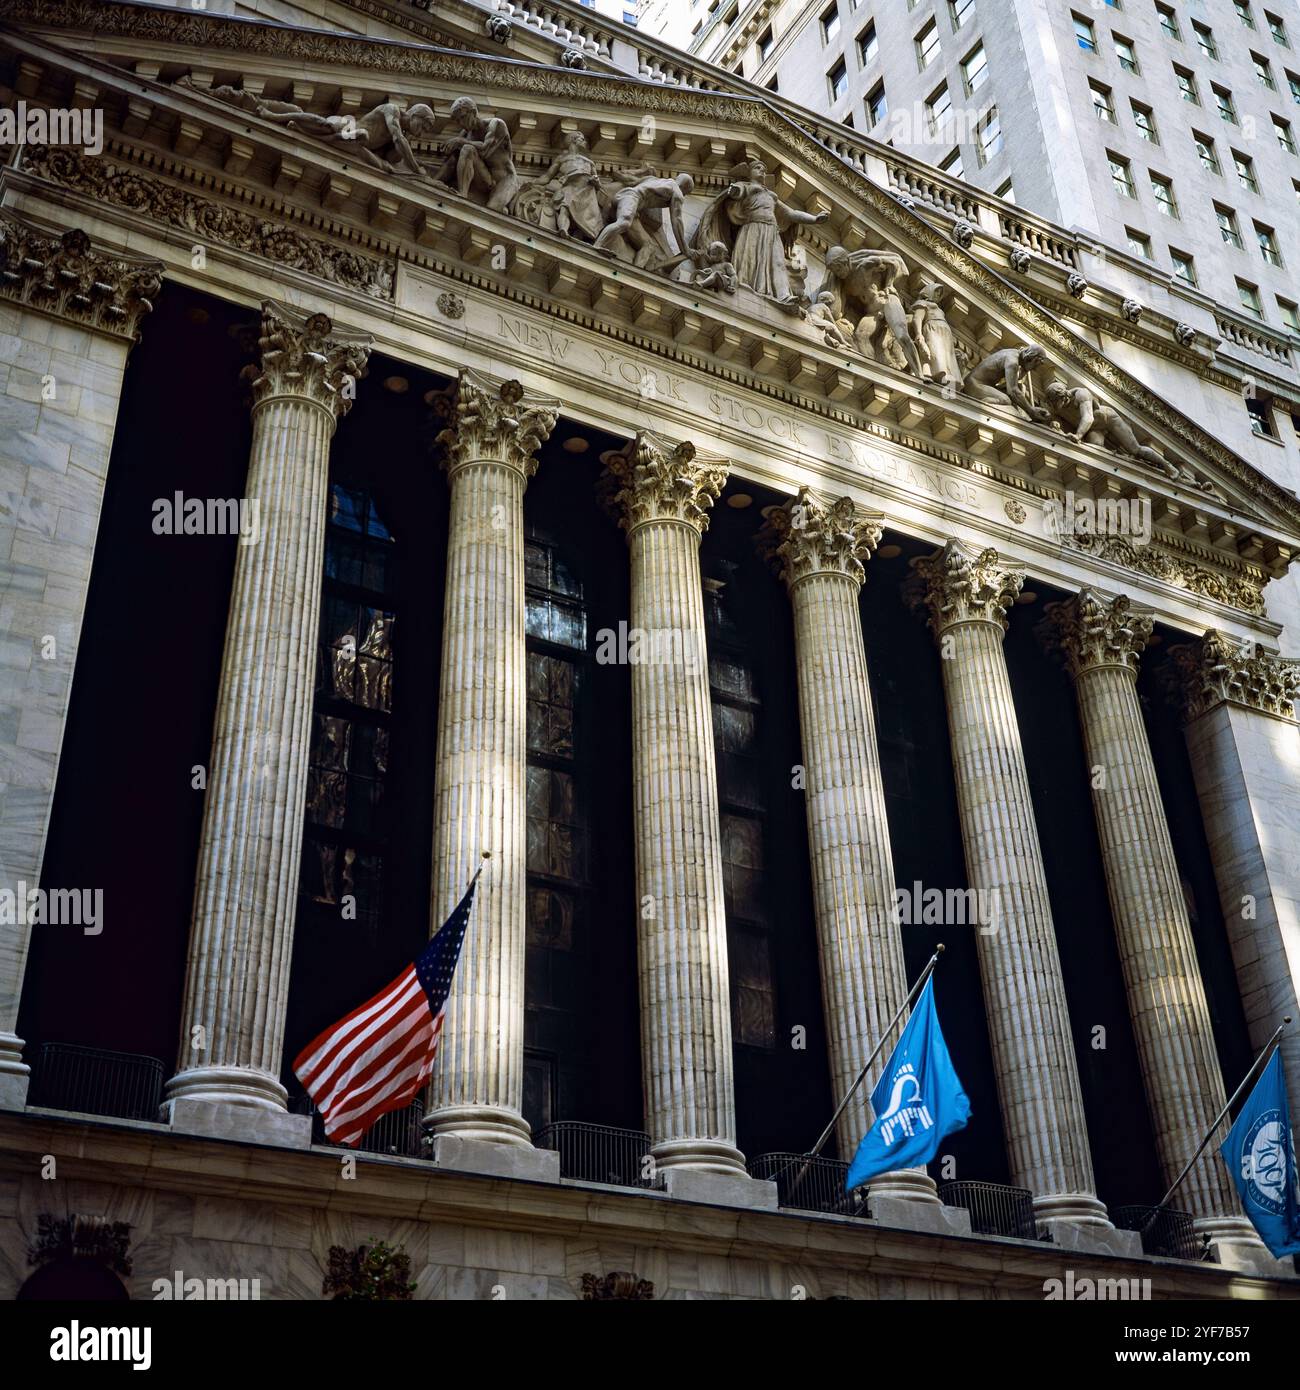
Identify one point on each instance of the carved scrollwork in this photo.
(1218, 669)
(1238, 592)
(1093, 629)
(492, 420)
(63, 275)
(303, 354)
(963, 584)
(654, 479)
(809, 535)
(620, 1285)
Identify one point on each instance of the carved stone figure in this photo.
(963, 233)
(757, 227)
(1020, 260)
(1087, 419)
(869, 278)
(716, 272)
(1076, 284)
(1185, 334)
(480, 161)
(1131, 309)
(569, 197)
(934, 336)
(380, 138)
(638, 222)
(821, 314)
(572, 58)
(1000, 377)
(499, 28)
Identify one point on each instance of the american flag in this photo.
(379, 1057)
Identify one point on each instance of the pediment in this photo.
(175, 90)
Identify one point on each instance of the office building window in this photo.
(1163, 192)
(960, 12)
(1278, 29)
(1169, 22)
(951, 164)
(1084, 33)
(1102, 103)
(1007, 193)
(1268, 245)
(990, 135)
(1245, 168)
(937, 108)
(1243, 13)
(1263, 72)
(838, 77)
(1228, 228)
(868, 45)
(877, 105)
(927, 45)
(1282, 129)
(830, 24)
(1205, 40)
(1187, 86)
(1144, 119)
(765, 42)
(1184, 266)
(1223, 100)
(1139, 243)
(1261, 417)
(974, 70)
(1126, 53)
(1293, 82)
(1290, 314)
(1121, 176)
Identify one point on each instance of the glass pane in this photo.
(347, 508)
(331, 742)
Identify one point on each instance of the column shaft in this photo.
(481, 778)
(1038, 1081)
(662, 493)
(245, 898)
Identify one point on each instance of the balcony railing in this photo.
(995, 1210)
(1172, 1233)
(600, 1153)
(400, 1132)
(820, 1189)
(93, 1081)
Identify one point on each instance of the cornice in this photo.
(175, 28)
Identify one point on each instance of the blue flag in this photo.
(1260, 1154)
(918, 1100)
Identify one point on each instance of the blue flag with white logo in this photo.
(1260, 1154)
(918, 1100)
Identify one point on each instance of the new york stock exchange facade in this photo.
(418, 446)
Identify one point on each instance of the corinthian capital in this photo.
(61, 274)
(486, 419)
(653, 479)
(961, 584)
(808, 536)
(1219, 669)
(302, 354)
(1094, 630)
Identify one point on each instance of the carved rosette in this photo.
(488, 419)
(808, 536)
(654, 479)
(961, 584)
(63, 275)
(302, 355)
(1218, 670)
(1092, 630)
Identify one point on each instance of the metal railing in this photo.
(400, 1132)
(821, 1188)
(1172, 1233)
(995, 1209)
(600, 1153)
(94, 1081)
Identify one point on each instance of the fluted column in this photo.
(480, 793)
(661, 493)
(965, 592)
(1100, 640)
(820, 550)
(1243, 740)
(245, 899)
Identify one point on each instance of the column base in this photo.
(249, 1124)
(14, 1073)
(497, 1160)
(907, 1184)
(700, 1156)
(226, 1085)
(728, 1189)
(1078, 1221)
(908, 1214)
(481, 1124)
(1235, 1244)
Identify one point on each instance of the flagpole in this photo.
(1256, 1066)
(487, 854)
(852, 1091)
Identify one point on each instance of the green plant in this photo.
(375, 1272)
